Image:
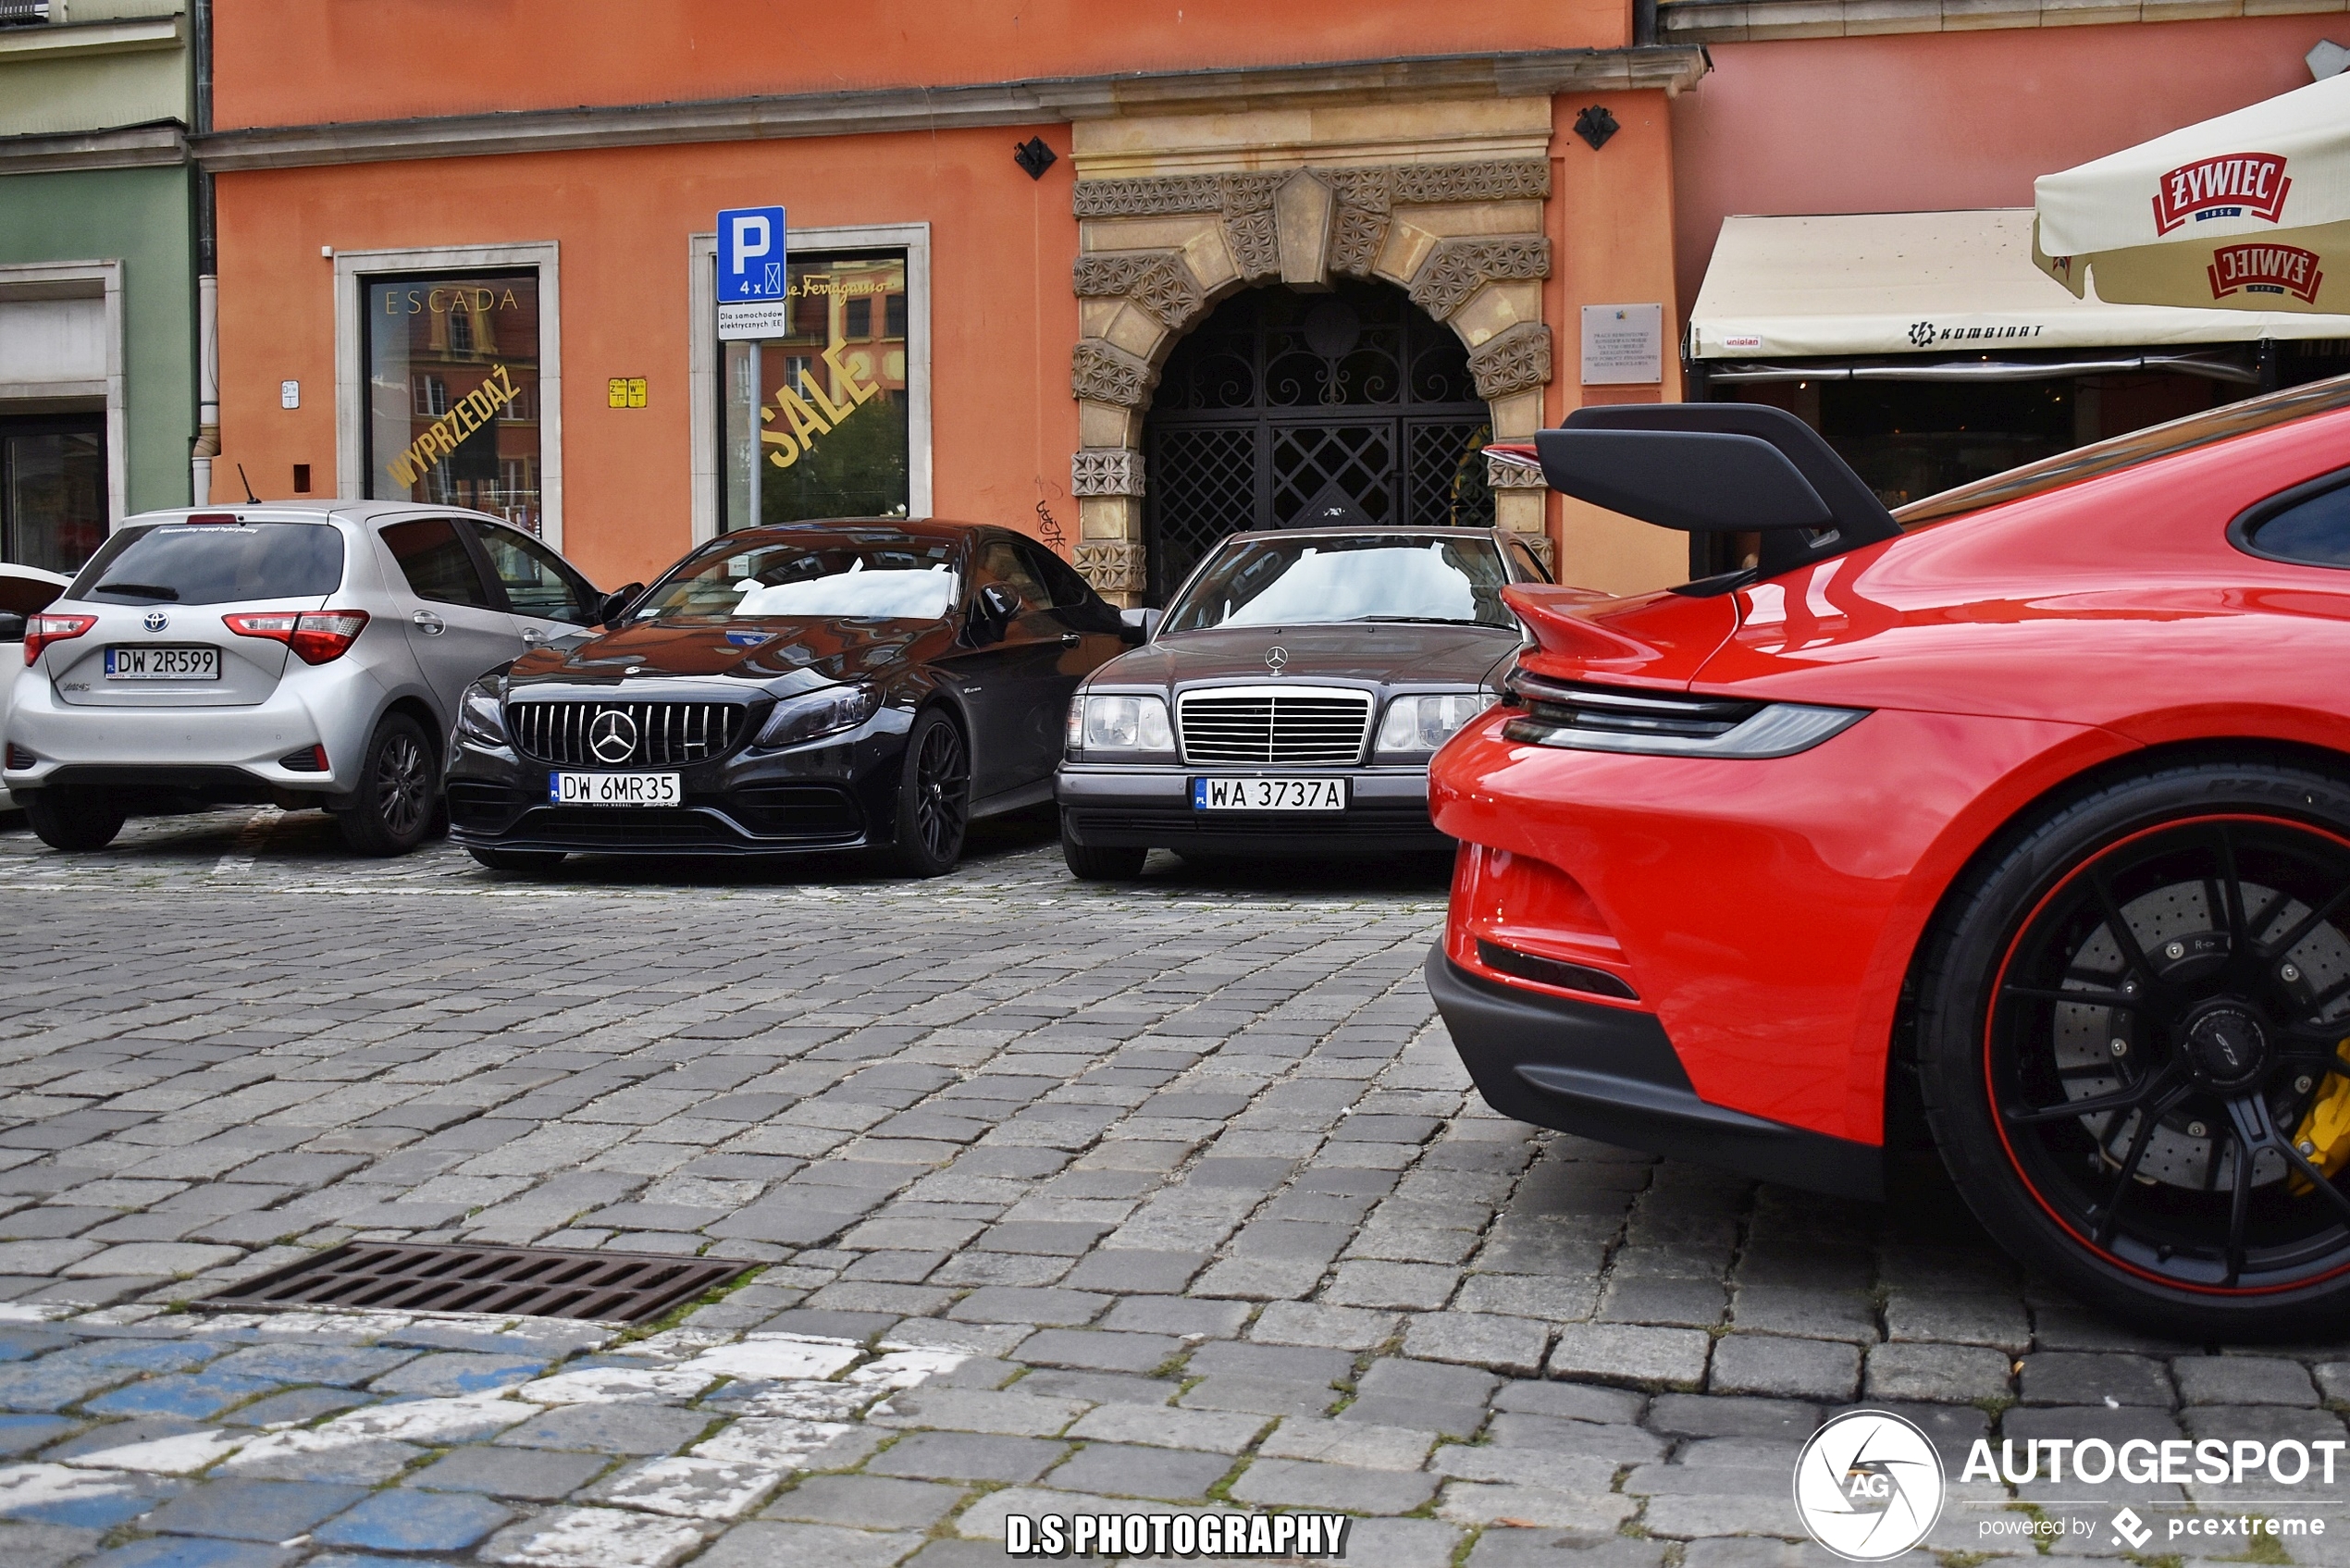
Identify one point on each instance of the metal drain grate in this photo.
(505, 1281)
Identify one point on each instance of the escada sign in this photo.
(2232, 185)
(2266, 269)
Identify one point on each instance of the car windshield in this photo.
(1324, 578)
(869, 577)
(214, 564)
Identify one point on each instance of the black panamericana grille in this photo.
(627, 735)
(518, 1281)
(1624, 710)
(1323, 726)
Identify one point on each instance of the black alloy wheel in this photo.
(933, 798)
(518, 859)
(393, 806)
(72, 824)
(2131, 1042)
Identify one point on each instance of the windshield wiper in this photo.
(1415, 620)
(140, 591)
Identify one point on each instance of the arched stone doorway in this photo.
(1284, 408)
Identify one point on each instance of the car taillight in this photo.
(318, 637)
(40, 631)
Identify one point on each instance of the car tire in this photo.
(518, 859)
(2209, 904)
(933, 798)
(391, 811)
(72, 824)
(1102, 862)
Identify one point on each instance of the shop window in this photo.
(463, 350)
(821, 420)
(53, 491)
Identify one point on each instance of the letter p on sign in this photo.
(751, 253)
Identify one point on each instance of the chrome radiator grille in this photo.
(625, 734)
(1306, 727)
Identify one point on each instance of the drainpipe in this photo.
(208, 283)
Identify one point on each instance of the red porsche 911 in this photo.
(2019, 822)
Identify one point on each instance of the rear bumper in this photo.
(1151, 807)
(1610, 1074)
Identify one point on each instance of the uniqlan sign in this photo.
(2232, 185)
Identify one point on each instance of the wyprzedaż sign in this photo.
(752, 288)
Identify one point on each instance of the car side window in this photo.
(1000, 561)
(1068, 590)
(1528, 563)
(538, 581)
(2314, 532)
(433, 558)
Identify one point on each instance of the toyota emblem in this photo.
(1275, 658)
(613, 736)
(156, 620)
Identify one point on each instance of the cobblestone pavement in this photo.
(1069, 1199)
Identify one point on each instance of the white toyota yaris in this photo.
(305, 655)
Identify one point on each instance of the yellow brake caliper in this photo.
(2326, 1129)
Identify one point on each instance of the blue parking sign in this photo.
(750, 255)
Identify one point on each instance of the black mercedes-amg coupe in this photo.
(802, 687)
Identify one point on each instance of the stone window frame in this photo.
(99, 280)
(353, 269)
(703, 356)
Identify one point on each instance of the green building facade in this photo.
(100, 252)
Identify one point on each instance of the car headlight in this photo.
(815, 713)
(1417, 725)
(481, 715)
(1776, 729)
(1120, 723)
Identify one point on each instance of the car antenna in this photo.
(251, 500)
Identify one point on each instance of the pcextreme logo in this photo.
(1869, 1485)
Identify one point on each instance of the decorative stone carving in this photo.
(1494, 179)
(1360, 227)
(1151, 197)
(1250, 228)
(1157, 281)
(1111, 566)
(1500, 475)
(1498, 179)
(1455, 268)
(1512, 359)
(1106, 471)
(1107, 373)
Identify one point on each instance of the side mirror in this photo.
(11, 626)
(998, 602)
(613, 605)
(1136, 626)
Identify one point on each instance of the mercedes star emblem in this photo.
(1275, 658)
(613, 736)
(155, 621)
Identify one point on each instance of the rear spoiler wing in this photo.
(1712, 468)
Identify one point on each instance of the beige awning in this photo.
(1944, 283)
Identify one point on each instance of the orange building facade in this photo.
(1309, 258)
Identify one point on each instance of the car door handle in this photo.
(431, 624)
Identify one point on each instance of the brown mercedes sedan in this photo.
(1289, 699)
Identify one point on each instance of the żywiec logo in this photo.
(2266, 269)
(1869, 1485)
(2231, 185)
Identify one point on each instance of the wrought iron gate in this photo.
(1279, 396)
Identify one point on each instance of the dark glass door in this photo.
(53, 490)
(1287, 410)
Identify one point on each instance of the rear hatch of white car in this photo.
(167, 599)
